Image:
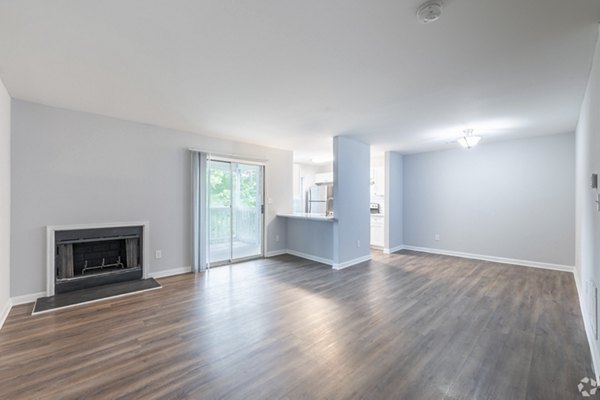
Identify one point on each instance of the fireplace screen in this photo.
(89, 253)
(79, 259)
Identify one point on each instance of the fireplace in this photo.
(87, 256)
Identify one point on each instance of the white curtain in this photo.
(199, 209)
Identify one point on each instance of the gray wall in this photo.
(351, 188)
(72, 167)
(587, 271)
(314, 238)
(5, 138)
(512, 199)
(393, 235)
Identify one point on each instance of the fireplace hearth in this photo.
(90, 257)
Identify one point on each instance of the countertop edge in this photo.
(308, 217)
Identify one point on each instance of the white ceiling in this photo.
(292, 74)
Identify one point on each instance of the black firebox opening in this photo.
(93, 257)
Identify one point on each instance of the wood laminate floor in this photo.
(404, 326)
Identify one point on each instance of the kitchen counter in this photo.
(308, 216)
(310, 235)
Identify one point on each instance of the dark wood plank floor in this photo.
(404, 326)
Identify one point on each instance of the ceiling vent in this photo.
(429, 12)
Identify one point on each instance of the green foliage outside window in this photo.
(220, 188)
(221, 183)
(248, 188)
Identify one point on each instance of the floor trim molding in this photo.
(393, 249)
(26, 298)
(502, 260)
(5, 311)
(274, 253)
(309, 257)
(352, 262)
(170, 272)
(589, 333)
(336, 266)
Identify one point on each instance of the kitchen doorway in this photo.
(235, 222)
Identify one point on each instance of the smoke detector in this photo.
(468, 140)
(429, 12)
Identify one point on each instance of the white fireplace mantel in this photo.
(50, 246)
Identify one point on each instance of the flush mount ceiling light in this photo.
(468, 140)
(429, 11)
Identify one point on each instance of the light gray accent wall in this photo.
(351, 199)
(73, 167)
(587, 267)
(394, 202)
(5, 179)
(310, 237)
(512, 199)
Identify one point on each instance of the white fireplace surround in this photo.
(50, 246)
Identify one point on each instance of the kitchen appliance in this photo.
(375, 208)
(319, 199)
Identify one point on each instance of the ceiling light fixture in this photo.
(468, 140)
(429, 11)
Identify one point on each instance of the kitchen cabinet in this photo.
(378, 181)
(325, 177)
(377, 231)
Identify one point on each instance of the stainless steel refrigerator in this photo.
(316, 199)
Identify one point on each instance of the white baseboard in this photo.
(352, 262)
(327, 261)
(589, 332)
(393, 249)
(170, 272)
(310, 257)
(276, 253)
(27, 298)
(502, 260)
(4, 312)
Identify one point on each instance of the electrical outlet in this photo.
(437, 236)
(358, 243)
(277, 238)
(158, 254)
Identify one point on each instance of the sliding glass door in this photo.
(235, 217)
(219, 215)
(247, 212)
